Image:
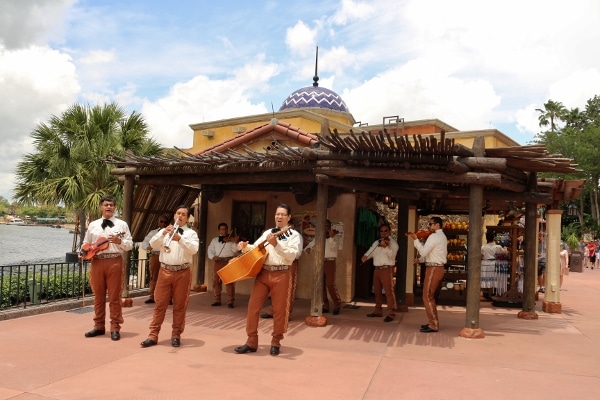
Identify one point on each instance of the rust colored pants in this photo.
(384, 279)
(106, 275)
(154, 268)
(278, 283)
(329, 285)
(433, 277)
(218, 284)
(171, 285)
(294, 273)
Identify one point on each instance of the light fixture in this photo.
(572, 210)
(392, 205)
(386, 200)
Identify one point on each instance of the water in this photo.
(33, 244)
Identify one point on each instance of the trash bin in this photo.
(34, 291)
(576, 261)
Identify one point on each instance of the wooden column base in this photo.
(200, 288)
(315, 321)
(410, 299)
(552, 307)
(527, 315)
(471, 333)
(127, 302)
(402, 308)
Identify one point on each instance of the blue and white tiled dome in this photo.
(314, 96)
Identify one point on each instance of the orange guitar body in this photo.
(248, 265)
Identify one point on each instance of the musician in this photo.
(222, 249)
(331, 251)
(177, 244)
(163, 221)
(107, 269)
(274, 278)
(434, 253)
(383, 252)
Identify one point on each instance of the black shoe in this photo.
(215, 304)
(336, 311)
(427, 329)
(371, 315)
(230, 305)
(388, 319)
(274, 351)
(424, 326)
(175, 342)
(171, 302)
(148, 343)
(149, 301)
(266, 315)
(244, 349)
(95, 332)
(325, 311)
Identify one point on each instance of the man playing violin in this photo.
(434, 253)
(106, 272)
(383, 252)
(274, 278)
(222, 249)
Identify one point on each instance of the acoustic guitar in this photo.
(249, 264)
(89, 250)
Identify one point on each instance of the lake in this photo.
(33, 244)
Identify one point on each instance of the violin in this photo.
(421, 234)
(89, 250)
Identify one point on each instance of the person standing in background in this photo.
(154, 262)
(434, 253)
(564, 262)
(222, 249)
(329, 267)
(383, 252)
(106, 271)
(177, 247)
(488, 264)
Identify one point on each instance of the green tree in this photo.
(552, 113)
(67, 168)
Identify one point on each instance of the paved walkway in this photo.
(557, 356)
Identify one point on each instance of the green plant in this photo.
(573, 242)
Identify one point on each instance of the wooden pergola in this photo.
(431, 173)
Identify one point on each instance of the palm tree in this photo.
(553, 112)
(67, 167)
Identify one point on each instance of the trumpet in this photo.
(169, 237)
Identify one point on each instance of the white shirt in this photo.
(331, 247)
(383, 255)
(95, 232)
(435, 249)
(146, 241)
(288, 248)
(182, 251)
(221, 250)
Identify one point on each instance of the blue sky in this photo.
(472, 64)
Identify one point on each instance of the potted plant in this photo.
(576, 257)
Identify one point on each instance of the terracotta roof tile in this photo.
(275, 126)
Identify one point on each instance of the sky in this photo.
(472, 64)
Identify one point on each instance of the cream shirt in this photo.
(95, 232)
(435, 249)
(287, 250)
(383, 255)
(182, 251)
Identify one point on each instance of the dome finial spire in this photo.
(316, 77)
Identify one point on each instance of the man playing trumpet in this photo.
(177, 244)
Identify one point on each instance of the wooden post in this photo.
(200, 285)
(530, 270)
(316, 317)
(401, 256)
(552, 295)
(471, 328)
(127, 217)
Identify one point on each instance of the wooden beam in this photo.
(368, 187)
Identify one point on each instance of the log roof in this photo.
(432, 171)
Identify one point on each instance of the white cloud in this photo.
(300, 39)
(352, 10)
(98, 57)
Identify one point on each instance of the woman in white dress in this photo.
(564, 262)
